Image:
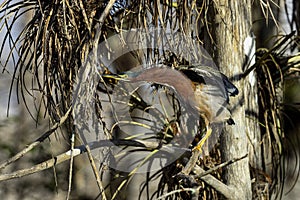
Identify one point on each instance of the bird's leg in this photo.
(206, 136)
(202, 141)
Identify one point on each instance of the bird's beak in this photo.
(117, 77)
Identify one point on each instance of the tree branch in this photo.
(36, 142)
(76, 151)
(222, 188)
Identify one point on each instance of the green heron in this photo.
(204, 89)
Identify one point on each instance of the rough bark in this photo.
(231, 25)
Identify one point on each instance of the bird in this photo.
(203, 89)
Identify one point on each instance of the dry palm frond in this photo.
(54, 45)
(273, 66)
(56, 41)
(51, 43)
(267, 9)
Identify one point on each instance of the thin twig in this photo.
(193, 190)
(96, 174)
(36, 142)
(227, 191)
(71, 165)
(222, 188)
(77, 151)
(220, 166)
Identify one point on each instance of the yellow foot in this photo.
(202, 141)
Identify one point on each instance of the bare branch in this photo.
(77, 151)
(36, 142)
(220, 166)
(193, 190)
(224, 189)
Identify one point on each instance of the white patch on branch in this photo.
(75, 152)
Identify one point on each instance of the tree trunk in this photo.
(231, 25)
